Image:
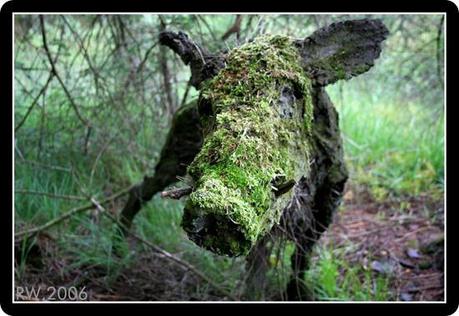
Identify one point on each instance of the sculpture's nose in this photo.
(211, 219)
(214, 232)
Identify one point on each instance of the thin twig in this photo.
(16, 148)
(52, 195)
(145, 58)
(235, 28)
(39, 164)
(44, 88)
(426, 287)
(99, 155)
(69, 214)
(211, 32)
(439, 57)
(185, 95)
(34, 102)
(173, 258)
(85, 52)
(413, 232)
(176, 193)
(54, 71)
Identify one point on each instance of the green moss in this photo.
(248, 144)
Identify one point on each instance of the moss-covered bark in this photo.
(257, 127)
(271, 163)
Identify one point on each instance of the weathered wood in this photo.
(183, 142)
(342, 50)
(257, 132)
(289, 94)
(316, 198)
(203, 64)
(177, 193)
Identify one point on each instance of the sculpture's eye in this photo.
(287, 103)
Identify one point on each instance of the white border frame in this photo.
(231, 13)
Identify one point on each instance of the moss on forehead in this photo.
(247, 145)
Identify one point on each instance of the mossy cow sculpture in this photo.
(262, 145)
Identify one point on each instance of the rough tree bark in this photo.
(203, 64)
(342, 50)
(311, 209)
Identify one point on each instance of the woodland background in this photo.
(97, 124)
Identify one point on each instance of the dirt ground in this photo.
(402, 238)
(406, 245)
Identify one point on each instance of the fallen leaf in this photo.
(406, 297)
(413, 253)
(382, 267)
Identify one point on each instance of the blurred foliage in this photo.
(113, 69)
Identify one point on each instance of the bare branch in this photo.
(439, 51)
(203, 64)
(42, 165)
(69, 214)
(54, 71)
(176, 193)
(85, 52)
(144, 60)
(209, 29)
(34, 102)
(235, 28)
(185, 94)
(171, 257)
(52, 195)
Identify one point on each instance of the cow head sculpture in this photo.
(256, 108)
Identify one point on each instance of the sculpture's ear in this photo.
(203, 64)
(342, 50)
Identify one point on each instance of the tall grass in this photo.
(393, 147)
(338, 280)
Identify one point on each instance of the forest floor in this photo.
(400, 239)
